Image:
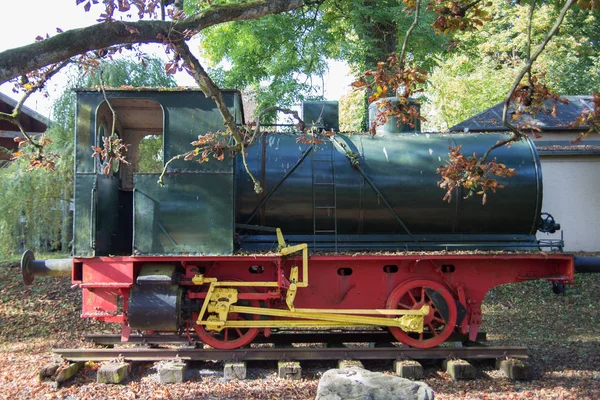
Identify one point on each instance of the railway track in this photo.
(290, 354)
(334, 345)
(290, 349)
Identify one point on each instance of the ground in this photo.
(561, 332)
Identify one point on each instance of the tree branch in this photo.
(15, 116)
(466, 7)
(516, 134)
(19, 61)
(38, 85)
(164, 171)
(211, 90)
(301, 124)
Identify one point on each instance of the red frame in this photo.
(335, 281)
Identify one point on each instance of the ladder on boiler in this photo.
(324, 193)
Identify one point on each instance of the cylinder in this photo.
(155, 307)
(393, 126)
(155, 301)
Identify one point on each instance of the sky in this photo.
(40, 17)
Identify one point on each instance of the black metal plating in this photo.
(154, 304)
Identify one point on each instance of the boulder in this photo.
(359, 384)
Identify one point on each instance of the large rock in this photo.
(360, 384)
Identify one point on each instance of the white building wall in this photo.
(572, 196)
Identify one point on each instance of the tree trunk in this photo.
(383, 33)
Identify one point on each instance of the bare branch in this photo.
(32, 89)
(112, 110)
(164, 171)
(26, 135)
(466, 7)
(408, 32)
(529, 25)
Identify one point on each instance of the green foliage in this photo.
(151, 155)
(274, 57)
(459, 88)
(130, 72)
(368, 31)
(353, 112)
(484, 63)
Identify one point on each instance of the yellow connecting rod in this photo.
(222, 296)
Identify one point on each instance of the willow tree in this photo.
(35, 202)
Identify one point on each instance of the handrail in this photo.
(93, 219)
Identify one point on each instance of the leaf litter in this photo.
(561, 332)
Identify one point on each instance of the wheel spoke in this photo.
(239, 332)
(412, 297)
(416, 292)
(432, 330)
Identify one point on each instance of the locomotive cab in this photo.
(119, 208)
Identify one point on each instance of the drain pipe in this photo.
(30, 267)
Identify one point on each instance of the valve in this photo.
(547, 224)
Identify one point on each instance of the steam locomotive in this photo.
(350, 231)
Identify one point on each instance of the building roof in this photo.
(33, 123)
(25, 110)
(490, 120)
(566, 148)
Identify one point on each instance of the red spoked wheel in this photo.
(440, 321)
(230, 338)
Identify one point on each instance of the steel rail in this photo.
(291, 354)
(285, 337)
